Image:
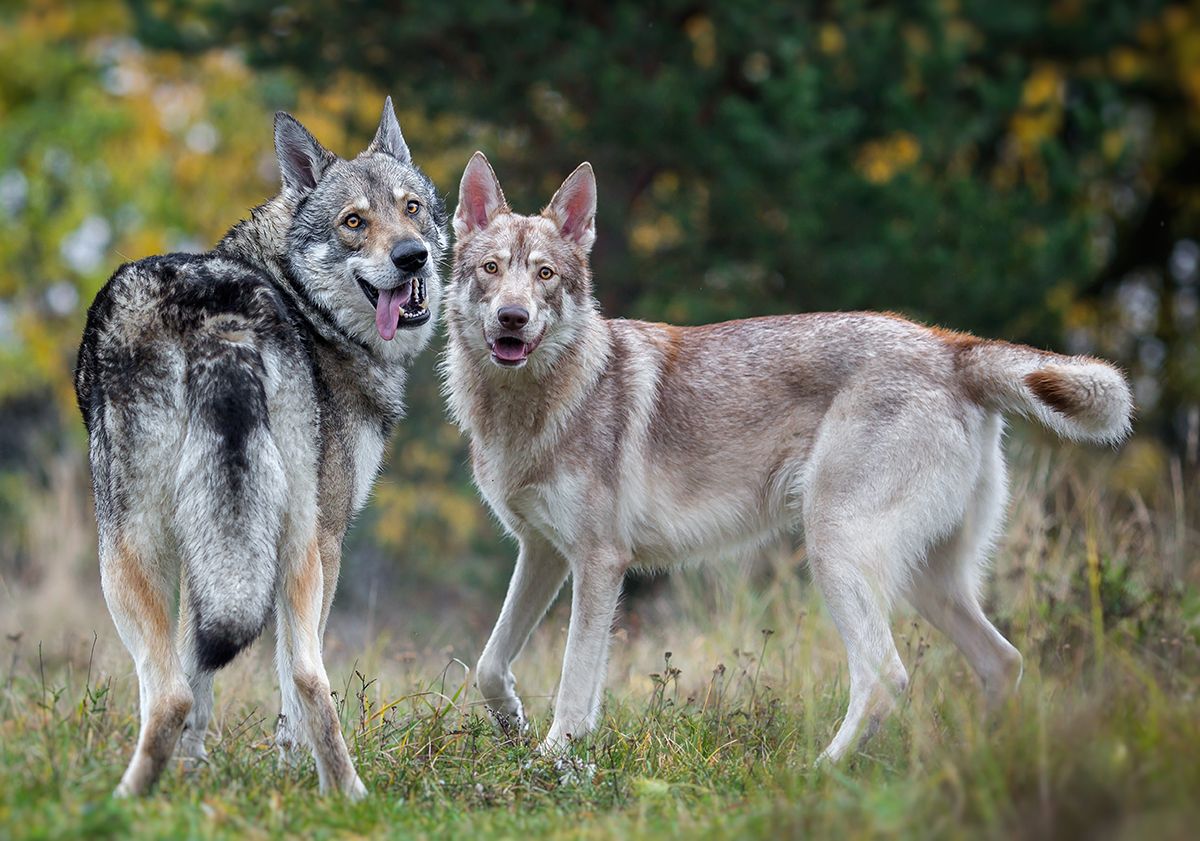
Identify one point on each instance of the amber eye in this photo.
(412, 208)
(353, 221)
(545, 273)
(490, 267)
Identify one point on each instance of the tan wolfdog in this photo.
(605, 444)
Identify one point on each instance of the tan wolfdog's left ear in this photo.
(479, 197)
(573, 207)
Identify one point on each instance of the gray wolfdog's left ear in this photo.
(388, 138)
(573, 207)
(302, 160)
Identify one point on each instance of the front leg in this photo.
(596, 588)
(536, 580)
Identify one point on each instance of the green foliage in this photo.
(956, 161)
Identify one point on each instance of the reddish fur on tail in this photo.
(1057, 391)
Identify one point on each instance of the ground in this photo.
(715, 739)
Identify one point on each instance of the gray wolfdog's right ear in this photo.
(302, 160)
(479, 197)
(388, 138)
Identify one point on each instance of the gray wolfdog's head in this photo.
(367, 235)
(521, 284)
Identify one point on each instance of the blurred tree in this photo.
(111, 153)
(981, 165)
(1026, 169)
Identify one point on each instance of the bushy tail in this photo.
(1079, 397)
(230, 493)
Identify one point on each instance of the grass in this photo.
(715, 739)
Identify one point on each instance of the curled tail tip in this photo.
(1092, 398)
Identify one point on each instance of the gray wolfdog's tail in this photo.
(230, 493)
(1078, 397)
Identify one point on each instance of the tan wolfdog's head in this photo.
(521, 284)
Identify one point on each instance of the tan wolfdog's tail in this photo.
(1078, 397)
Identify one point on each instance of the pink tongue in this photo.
(387, 309)
(510, 351)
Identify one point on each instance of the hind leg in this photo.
(947, 603)
(288, 736)
(850, 567)
(303, 681)
(945, 591)
(331, 565)
(139, 593)
(200, 680)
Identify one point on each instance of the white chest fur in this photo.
(367, 444)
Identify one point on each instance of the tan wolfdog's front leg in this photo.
(303, 681)
(595, 590)
(536, 580)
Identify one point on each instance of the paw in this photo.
(288, 742)
(555, 745)
(190, 749)
(573, 771)
(356, 791)
(509, 718)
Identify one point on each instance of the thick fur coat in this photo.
(605, 444)
(238, 404)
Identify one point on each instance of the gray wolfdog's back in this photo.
(177, 382)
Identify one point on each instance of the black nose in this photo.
(409, 255)
(513, 318)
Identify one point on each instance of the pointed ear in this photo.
(573, 207)
(479, 197)
(302, 160)
(388, 138)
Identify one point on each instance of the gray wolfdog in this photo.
(237, 405)
(605, 444)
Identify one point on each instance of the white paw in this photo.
(288, 742)
(574, 771)
(554, 745)
(509, 717)
(357, 790)
(191, 749)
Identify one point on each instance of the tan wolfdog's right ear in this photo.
(479, 197)
(573, 207)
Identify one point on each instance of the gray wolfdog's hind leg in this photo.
(139, 595)
(846, 563)
(195, 728)
(536, 580)
(288, 737)
(331, 565)
(302, 672)
(595, 590)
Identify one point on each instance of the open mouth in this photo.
(510, 351)
(403, 306)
